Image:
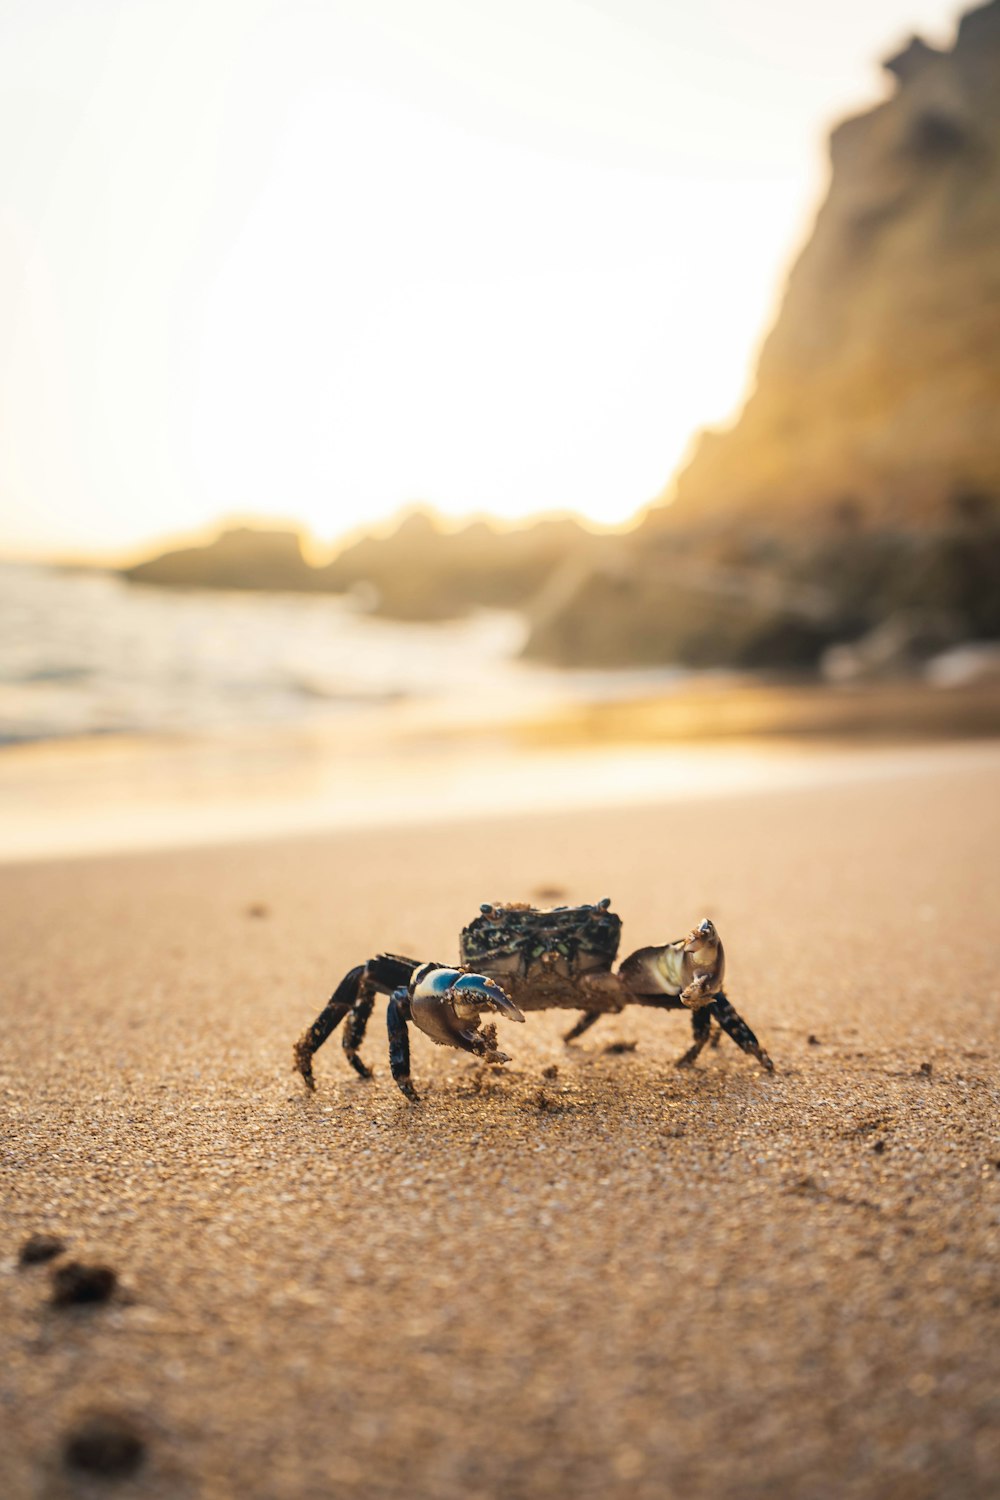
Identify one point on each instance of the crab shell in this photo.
(516, 942)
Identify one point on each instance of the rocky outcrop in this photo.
(416, 572)
(240, 558)
(862, 477)
(420, 572)
(752, 597)
(879, 386)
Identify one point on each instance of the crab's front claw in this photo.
(701, 937)
(701, 991)
(446, 1004)
(481, 993)
(484, 1044)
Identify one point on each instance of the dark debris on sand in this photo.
(105, 1444)
(39, 1248)
(77, 1283)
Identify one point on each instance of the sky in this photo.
(323, 259)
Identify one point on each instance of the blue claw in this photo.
(486, 992)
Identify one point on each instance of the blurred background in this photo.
(410, 411)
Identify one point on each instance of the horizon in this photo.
(545, 247)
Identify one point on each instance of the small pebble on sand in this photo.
(76, 1282)
(38, 1248)
(106, 1444)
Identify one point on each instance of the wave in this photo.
(85, 653)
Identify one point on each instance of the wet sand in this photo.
(403, 762)
(620, 1280)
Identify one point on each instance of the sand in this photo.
(621, 1280)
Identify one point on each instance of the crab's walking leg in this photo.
(354, 1026)
(584, 1024)
(735, 1026)
(340, 1002)
(399, 1041)
(355, 994)
(701, 1024)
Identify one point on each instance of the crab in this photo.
(517, 957)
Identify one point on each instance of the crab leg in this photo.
(583, 1024)
(355, 994)
(340, 1002)
(396, 1017)
(701, 1025)
(735, 1026)
(701, 1021)
(354, 1027)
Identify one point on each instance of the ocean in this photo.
(134, 717)
(85, 653)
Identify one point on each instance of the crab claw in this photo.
(701, 935)
(446, 1005)
(482, 993)
(701, 991)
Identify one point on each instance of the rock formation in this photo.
(240, 558)
(880, 384)
(416, 572)
(421, 572)
(863, 474)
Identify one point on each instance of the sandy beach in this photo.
(588, 1274)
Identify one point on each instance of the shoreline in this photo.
(441, 763)
(120, 797)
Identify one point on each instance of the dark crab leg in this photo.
(396, 1017)
(720, 1010)
(735, 1026)
(701, 1025)
(354, 1027)
(340, 1002)
(355, 993)
(583, 1024)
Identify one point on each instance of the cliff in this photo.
(862, 477)
(879, 385)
